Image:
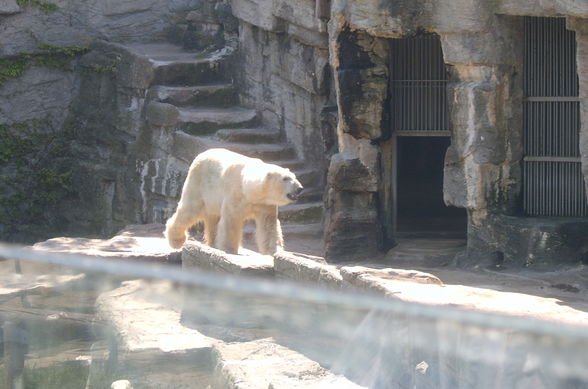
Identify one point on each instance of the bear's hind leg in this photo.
(177, 226)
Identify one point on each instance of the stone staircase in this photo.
(192, 98)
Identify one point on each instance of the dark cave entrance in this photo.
(420, 209)
(421, 134)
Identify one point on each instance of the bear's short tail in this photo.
(176, 237)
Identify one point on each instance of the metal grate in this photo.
(418, 82)
(553, 183)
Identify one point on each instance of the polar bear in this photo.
(223, 190)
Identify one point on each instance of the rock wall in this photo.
(79, 22)
(481, 43)
(96, 120)
(316, 71)
(284, 72)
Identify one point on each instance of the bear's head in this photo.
(281, 186)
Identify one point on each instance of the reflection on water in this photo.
(88, 324)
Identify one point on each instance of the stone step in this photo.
(204, 121)
(311, 195)
(311, 230)
(302, 212)
(200, 72)
(186, 147)
(175, 66)
(292, 164)
(249, 135)
(267, 152)
(307, 177)
(220, 95)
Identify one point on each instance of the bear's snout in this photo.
(294, 195)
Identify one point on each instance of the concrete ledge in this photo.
(150, 336)
(141, 321)
(362, 276)
(199, 255)
(424, 288)
(264, 364)
(135, 242)
(307, 268)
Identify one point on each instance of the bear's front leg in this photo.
(268, 231)
(210, 229)
(230, 230)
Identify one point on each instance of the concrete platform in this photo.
(197, 255)
(134, 242)
(400, 284)
(147, 325)
(263, 364)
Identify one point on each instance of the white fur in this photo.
(222, 190)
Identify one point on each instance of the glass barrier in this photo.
(70, 321)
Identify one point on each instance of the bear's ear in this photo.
(269, 175)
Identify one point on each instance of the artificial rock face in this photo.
(482, 50)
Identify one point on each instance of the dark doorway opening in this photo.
(421, 211)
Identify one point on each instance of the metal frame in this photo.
(553, 184)
(418, 98)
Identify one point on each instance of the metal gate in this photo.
(418, 83)
(553, 182)
(419, 123)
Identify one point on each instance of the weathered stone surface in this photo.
(301, 13)
(461, 16)
(362, 276)
(72, 24)
(501, 45)
(379, 17)
(199, 255)
(112, 7)
(263, 364)
(288, 81)
(8, 7)
(308, 37)
(200, 121)
(296, 267)
(347, 173)
(352, 229)
(481, 165)
(161, 114)
(551, 8)
(135, 242)
(132, 68)
(38, 94)
(297, 108)
(186, 147)
(509, 241)
(360, 83)
(256, 12)
(302, 212)
(143, 321)
(304, 66)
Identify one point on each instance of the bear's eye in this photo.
(286, 179)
